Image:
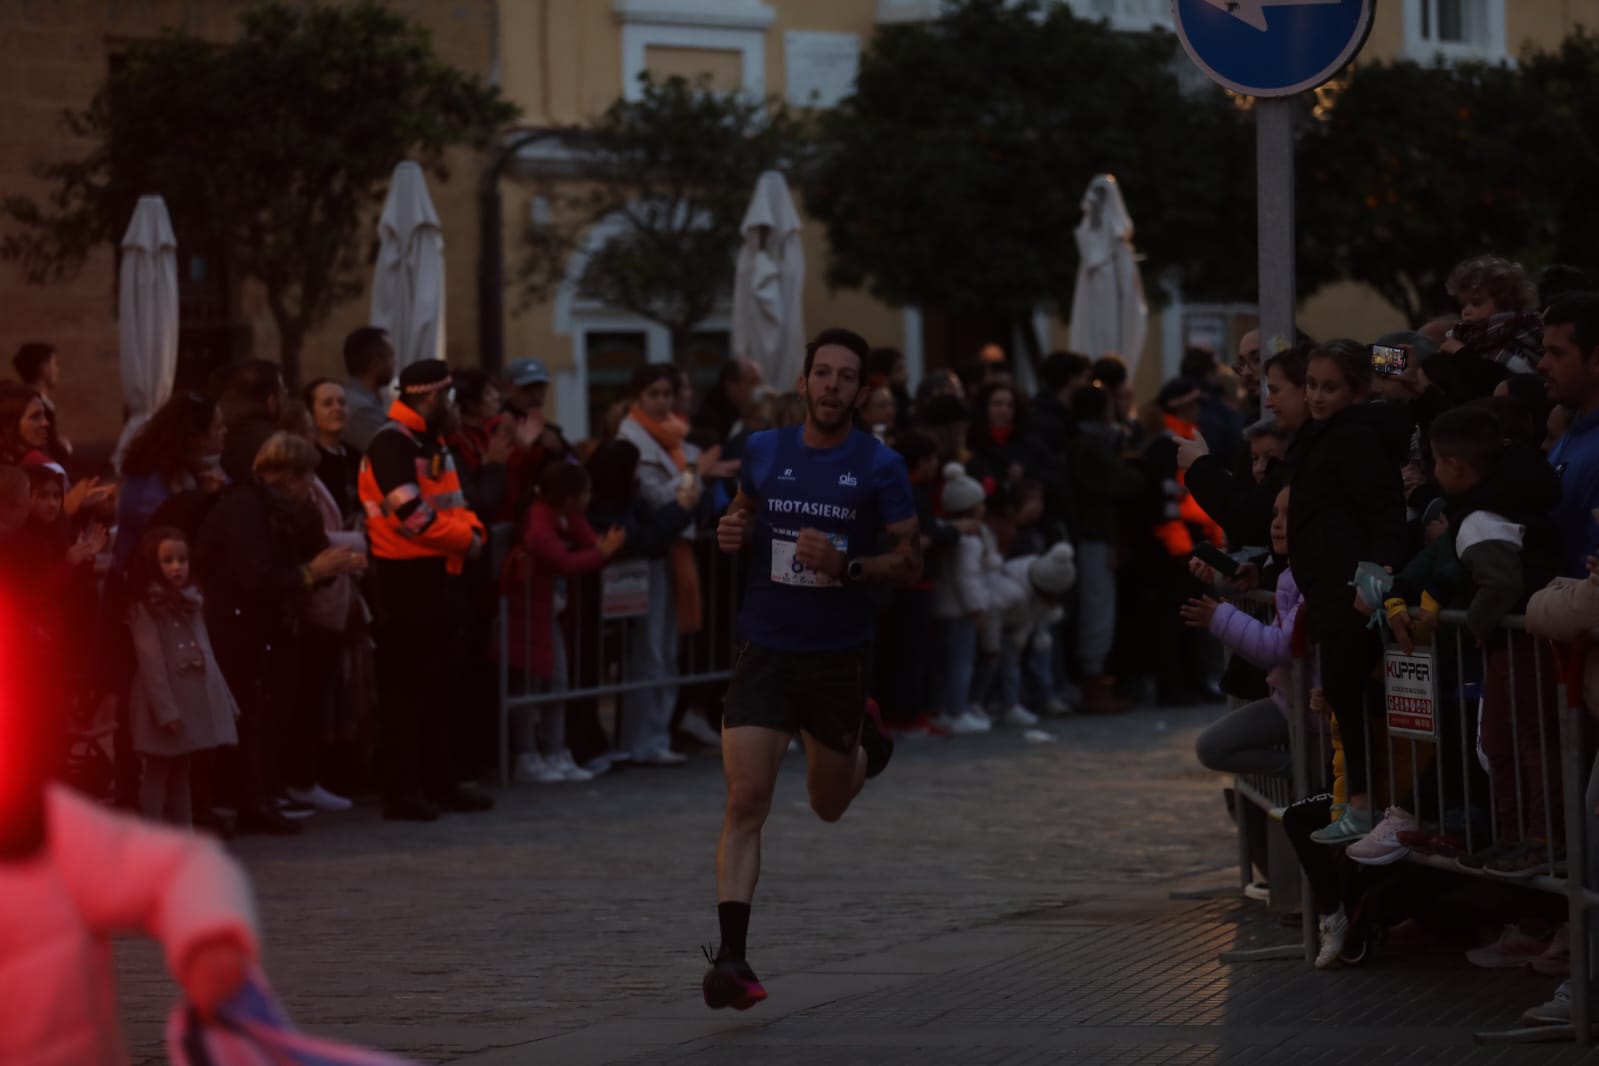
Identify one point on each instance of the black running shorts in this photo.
(822, 693)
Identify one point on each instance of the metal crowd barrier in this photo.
(600, 616)
(1428, 723)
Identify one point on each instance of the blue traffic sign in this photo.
(1272, 47)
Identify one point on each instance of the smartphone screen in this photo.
(1389, 361)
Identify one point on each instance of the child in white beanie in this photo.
(963, 594)
(1042, 582)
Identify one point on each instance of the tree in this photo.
(953, 176)
(1418, 167)
(674, 169)
(1558, 133)
(276, 148)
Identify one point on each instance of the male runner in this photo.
(829, 510)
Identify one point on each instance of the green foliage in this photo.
(276, 148)
(676, 167)
(1416, 168)
(953, 177)
(1558, 128)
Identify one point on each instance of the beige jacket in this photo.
(1563, 610)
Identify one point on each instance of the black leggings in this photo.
(1348, 655)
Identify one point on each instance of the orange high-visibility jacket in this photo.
(1182, 510)
(412, 495)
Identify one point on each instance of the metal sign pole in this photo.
(1274, 179)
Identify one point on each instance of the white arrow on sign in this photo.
(1254, 11)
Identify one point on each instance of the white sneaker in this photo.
(532, 770)
(1259, 891)
(1381, 846)
(1556, 959)
(1556, 1012)
(969, 722)
(694, 725)
(1513, 948)
(1021, 716)
(320, 798)
(1055, 707)
(1333, 927)
(568, 768)
(662, 757)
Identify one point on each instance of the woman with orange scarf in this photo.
(665, 462)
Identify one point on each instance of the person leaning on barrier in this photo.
(422, 534)
(1499, 544)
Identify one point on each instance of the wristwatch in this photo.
(856, 570)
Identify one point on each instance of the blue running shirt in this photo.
(849, 492)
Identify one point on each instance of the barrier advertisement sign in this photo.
(1410, 691)
(625, 589)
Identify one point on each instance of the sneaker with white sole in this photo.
(1556, 959)
(695, 725)
(563, 762)
(533, 770)
(1353, 824)
(969, 722)
(662, 757)
(293, 808)
(1381, 846)
(1556, 1012)
(1259, 891)
(1056, 707)
(1021, 717)
(320, 798)
(1513, 949)
(1333, 927)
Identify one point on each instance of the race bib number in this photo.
(787, 570)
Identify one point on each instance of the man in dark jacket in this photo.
(1101, 482)
(251, 402)
(1060, 375)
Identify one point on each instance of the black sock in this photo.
(735, 920)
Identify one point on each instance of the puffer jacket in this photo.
(962, 587)
(1268, 646)
(1029, 618)
(1563, 610)
(102, 873)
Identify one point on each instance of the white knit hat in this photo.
(1054, 572)
(961, 492)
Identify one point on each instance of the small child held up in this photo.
(180, 703)
(1498, 323)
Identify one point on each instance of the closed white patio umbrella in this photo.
(769, 285)
(1109, 315)
(408, 286)
(147, 315)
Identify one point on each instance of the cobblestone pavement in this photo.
(986, 902)
(569, 905)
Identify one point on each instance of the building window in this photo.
(679, 31)
(1455, 30)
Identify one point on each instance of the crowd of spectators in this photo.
(211, 606)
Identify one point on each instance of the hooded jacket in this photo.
(1500, 544)
(178, 680)
(1347, 506)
